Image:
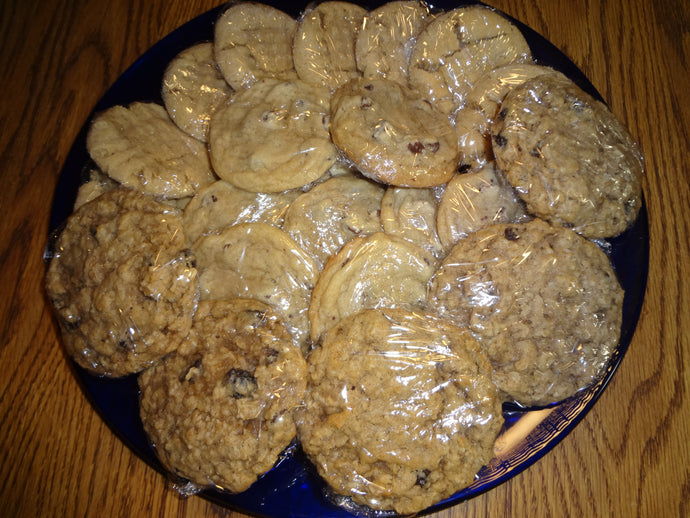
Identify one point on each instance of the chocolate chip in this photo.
(366, 103)
(463, 168)
(415, 147)
(500, 140)
(433, 147)
(422, 477)
(241, 383)
(192, 372)
(214, 198)
(511, 234)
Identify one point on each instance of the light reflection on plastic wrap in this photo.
(192, 89)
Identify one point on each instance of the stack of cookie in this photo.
(365, 230)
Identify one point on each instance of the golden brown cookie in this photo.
(140, 147)
(273, 136)
(568, 157)
(376, 271)
(253, 41)
(193, 88)
(392, 135)
(323, 219)
(457, 48)
(400, 411)
(475, 200)
(220, 205)
(218, 411)
(324, 45)
(384, 43)
(543, 301)
(257, 260)
(411, 214)
(122, 283)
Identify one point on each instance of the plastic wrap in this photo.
(141, 148)
(457, 48)
(411, 214)
(326, 217)
(569, 158)
(475, 200)
(122, 282)
(384, 43)
(253, 41)
(273, 136)
(219, 409)
(543, 302)
(220, 205)
(257, 260)
(379, 270)
(96, 184)
(193, 88)
(324, 45)
(392, 135)
(400, 410)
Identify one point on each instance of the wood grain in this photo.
(629, 457)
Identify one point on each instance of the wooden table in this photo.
(628, 457)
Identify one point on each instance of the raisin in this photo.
(241, 383)
(500, 140)
(415, 147)
(511, 234)
(422, 477)
(434, 146)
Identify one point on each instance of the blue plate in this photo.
(293, 488)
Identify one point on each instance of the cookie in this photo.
(400, 410)
(376, 271)
(543, 301)
(141, 148)
(323, 219)
(97, 184)
(569, 158)
(457, 48)
(218, 411)
(273, 136)
(475, 200)
(384, 43)
(473, 130)
(411, 214)
(221, 205)
(324, 45)
(257, 260)
(488, 91)
(392, 135)
(193, 88)
(122, 283)
(253, 41)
